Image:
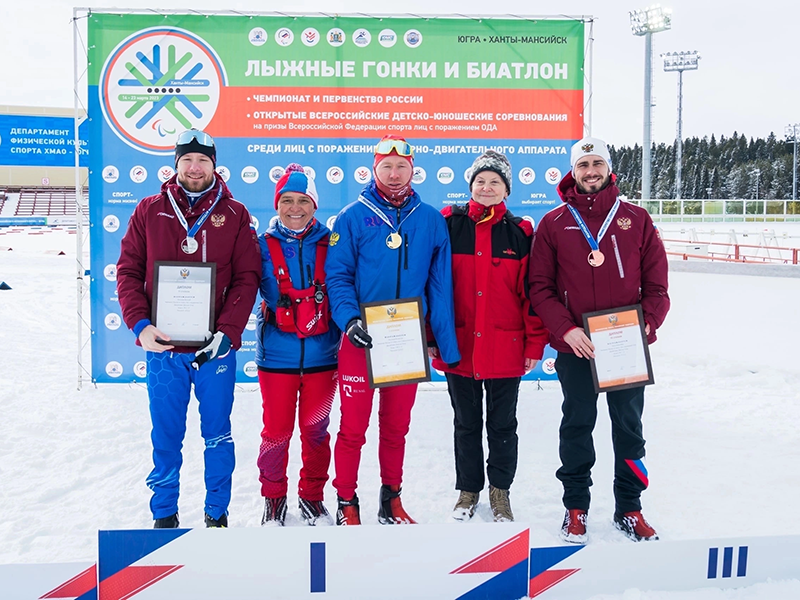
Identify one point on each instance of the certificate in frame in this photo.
(183, 300)
(622, 355)
(399, 353)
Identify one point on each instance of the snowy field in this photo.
(721, 424)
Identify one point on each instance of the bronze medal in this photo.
(394, 240)
(596, 258)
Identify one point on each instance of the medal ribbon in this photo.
(202, 219)
(595, 245)
(382, 216)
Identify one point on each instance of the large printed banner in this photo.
(41, 141)
(318, 91)
(488, 561)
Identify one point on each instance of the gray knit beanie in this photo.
(492, 161)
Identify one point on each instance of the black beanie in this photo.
(495, 162)
(195, 146)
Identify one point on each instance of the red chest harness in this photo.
(304, 312)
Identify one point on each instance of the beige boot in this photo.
(465, 506)
(501, 506)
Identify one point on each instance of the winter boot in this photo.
(274, 512)
(170, 522)
(348, 512)
(573, 529)
(500, 504)
(391, 511)
(634, 526)
(313, 512)
(213, 523)
(465, 506)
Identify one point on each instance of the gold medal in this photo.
(596, 258)
(189, 245)
(394, 240)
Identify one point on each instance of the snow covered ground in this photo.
(721, 424)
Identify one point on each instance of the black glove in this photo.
(358, 335)
(217, 346)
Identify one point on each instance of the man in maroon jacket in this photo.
(193, 219)
(596, 252)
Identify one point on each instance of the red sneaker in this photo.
(348, 512)
(634, 526)
(573, 529)
(391, 511)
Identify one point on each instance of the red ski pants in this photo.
(311, 396)
(394, 418)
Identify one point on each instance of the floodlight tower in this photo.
(680, 62)
(645, 23)
(792, 132)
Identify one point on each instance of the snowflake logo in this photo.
(157, 82)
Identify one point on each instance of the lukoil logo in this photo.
(310, 36)
(250, 174)
(284, 36)
(275, 173)
(250, 369)
(113, 321)
(113, 369)
(387, 38)
(336, 37)
(257, 36)
(110, 174)
(111, 223)
(335, 175)
(224, 172)
(412, 38)
(362, 38)
(251, 323)
(445, 175)
(165, 173)
(138, 174)
(419, 175)
(552, 176)
(362, 175)
(158, 82)
(110, 272)
(527, 175)
(140, 369)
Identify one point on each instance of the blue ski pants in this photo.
(170, 377)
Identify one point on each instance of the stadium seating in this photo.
(46, 202)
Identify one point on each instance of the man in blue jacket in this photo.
(385, 246)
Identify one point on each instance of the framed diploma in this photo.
(183, 301)
(399, 352)
(621, 354)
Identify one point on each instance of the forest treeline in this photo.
(732, 167)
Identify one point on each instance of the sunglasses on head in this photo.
(194, 134)
(402, 148)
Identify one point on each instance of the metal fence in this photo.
(708, 211)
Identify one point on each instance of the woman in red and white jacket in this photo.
(499, 338)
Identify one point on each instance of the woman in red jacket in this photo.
(500, 339)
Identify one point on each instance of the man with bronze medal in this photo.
(387, 245)
(594, 253)
(195, 232)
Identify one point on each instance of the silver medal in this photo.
(189, 245)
